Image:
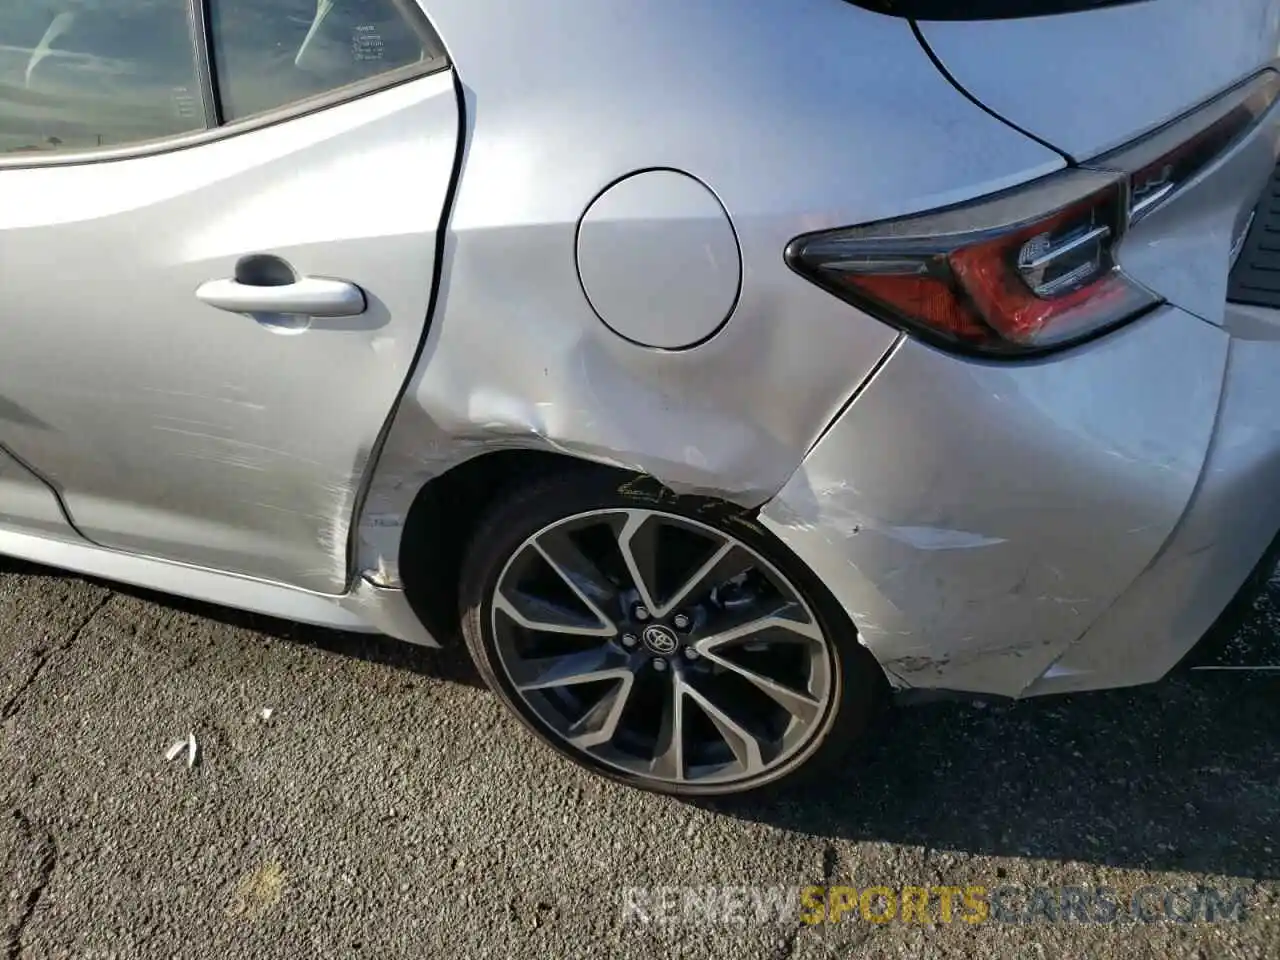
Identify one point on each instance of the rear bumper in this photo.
(1071, 524)
(1214, 554)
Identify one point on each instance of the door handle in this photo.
(307, 296)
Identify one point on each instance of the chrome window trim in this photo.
(202, 49)
(414, 16)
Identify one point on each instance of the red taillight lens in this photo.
(1035, 268)
(1053, 281)
(1017, 283)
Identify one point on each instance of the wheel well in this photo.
(443, 517)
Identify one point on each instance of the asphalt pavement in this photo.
(355, 797)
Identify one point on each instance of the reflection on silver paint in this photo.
(1041, 464)
(1087, 82)
(179, 431)
(938, 538)
(516, 356)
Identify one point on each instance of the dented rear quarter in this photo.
(516, 356)
(973, 517)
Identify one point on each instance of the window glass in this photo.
(269, 53)
(79, 74)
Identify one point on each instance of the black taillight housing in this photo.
(1035, 268)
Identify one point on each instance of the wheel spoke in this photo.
(638, 544)
(598, 725)
(727, 562)
(534, 613)
(802, 706)
(668, 756)
(579, 573)
(740, 628)
(745, 746)
(582, 666)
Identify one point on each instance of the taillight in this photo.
(1031, 270)
(1035, 268)
(1166, 160)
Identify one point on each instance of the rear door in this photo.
(213, 293)
(1086, 76)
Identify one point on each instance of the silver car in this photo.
(718, 367)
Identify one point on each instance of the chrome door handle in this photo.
(307, 296)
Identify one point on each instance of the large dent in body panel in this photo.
(516, 358)
(973, 519)
(603, 412)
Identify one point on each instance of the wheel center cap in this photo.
(658, 639)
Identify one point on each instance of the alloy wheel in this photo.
(662, 647)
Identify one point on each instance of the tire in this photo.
(677, 721)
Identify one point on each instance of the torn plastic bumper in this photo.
(1069, 524)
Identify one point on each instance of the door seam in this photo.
(442, 231)
(51, 487)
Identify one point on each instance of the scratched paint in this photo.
(972, 538)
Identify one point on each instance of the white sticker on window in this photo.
(366, 43)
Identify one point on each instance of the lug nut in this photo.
(629, 640)
(640, 613)
(681, 621)
(690, 653)
(659, 664)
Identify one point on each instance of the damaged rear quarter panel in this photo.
(515, 357)
(975, 518)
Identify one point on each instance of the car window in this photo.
(269, 53)
(78, 74)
